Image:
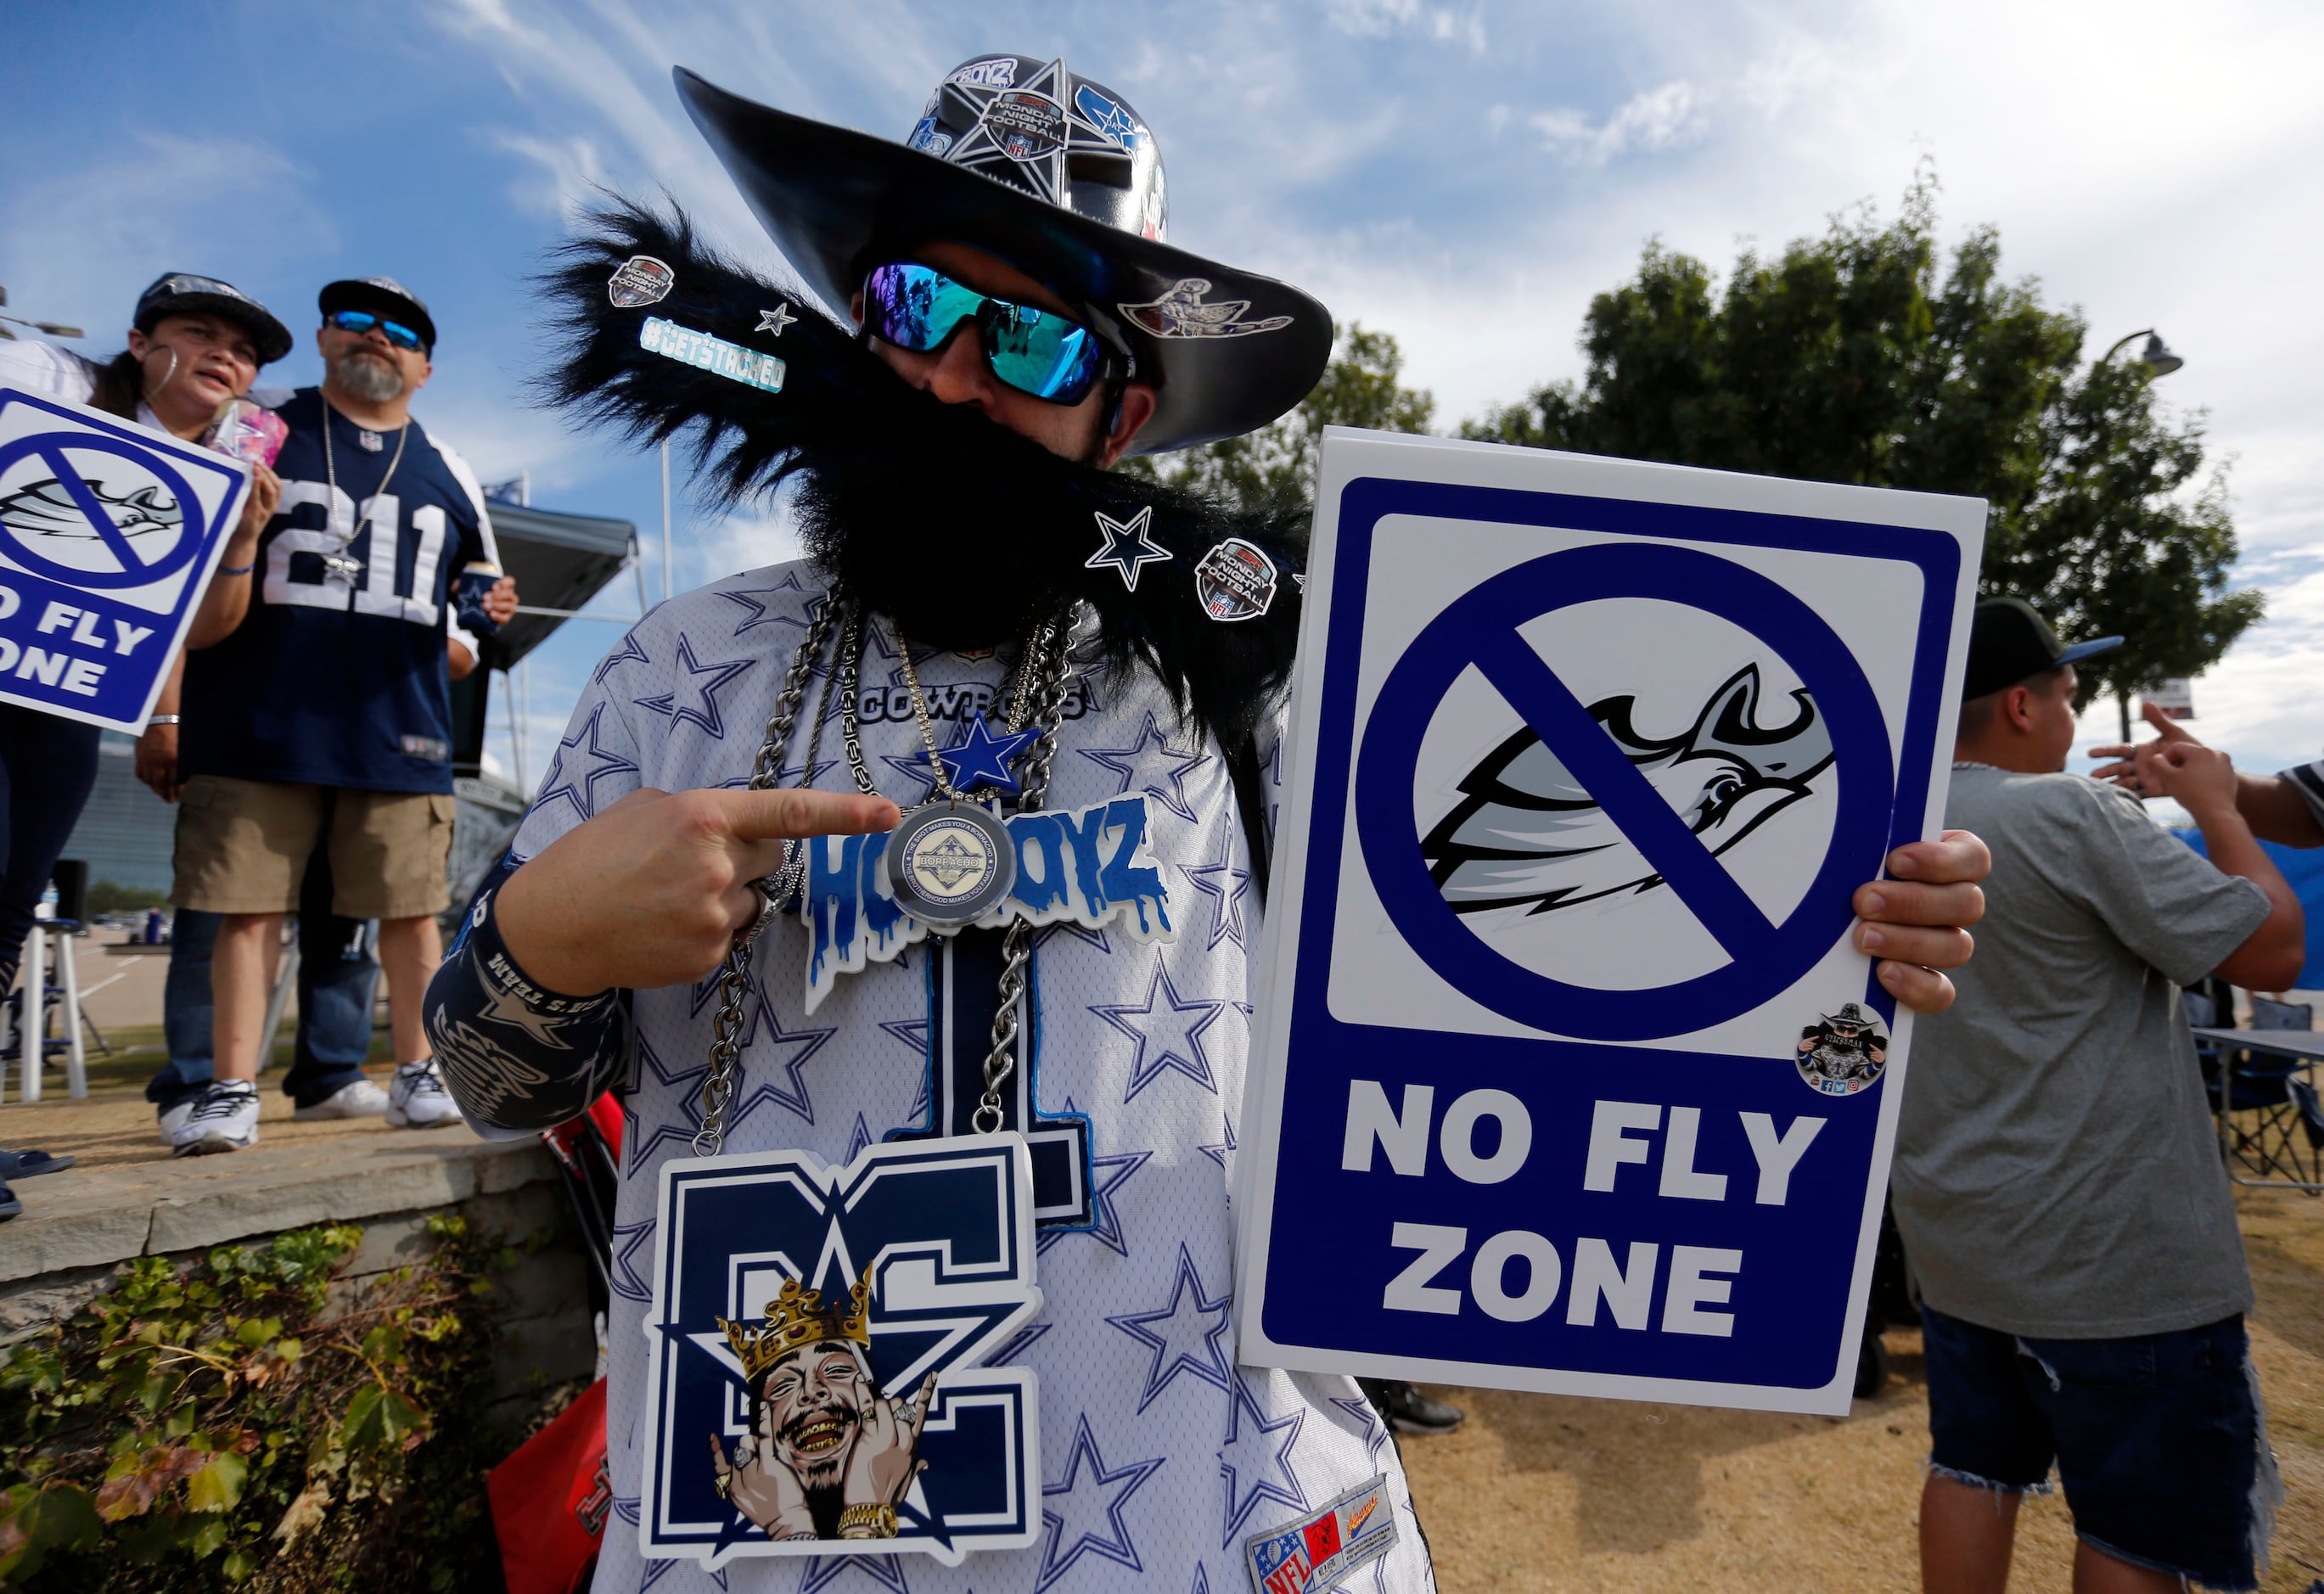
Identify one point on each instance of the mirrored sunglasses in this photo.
(359, 321)
(1036, 351)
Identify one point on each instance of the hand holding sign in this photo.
(1916, 921)
(107, 534)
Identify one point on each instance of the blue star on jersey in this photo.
(1126, 546)
(979, 758)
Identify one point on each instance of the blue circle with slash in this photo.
(134, 571)
(1479, 630)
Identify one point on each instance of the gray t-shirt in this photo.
(2056, 1173)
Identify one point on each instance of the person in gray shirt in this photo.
(2056, 1179)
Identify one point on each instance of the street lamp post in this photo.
(2159, 361)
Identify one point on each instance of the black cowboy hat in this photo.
(1058, 176)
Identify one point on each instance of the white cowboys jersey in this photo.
(1160, 1456)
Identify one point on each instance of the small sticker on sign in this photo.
(1842, 1053)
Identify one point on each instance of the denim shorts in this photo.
(2159, 1440)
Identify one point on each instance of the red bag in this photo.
(550, 1501)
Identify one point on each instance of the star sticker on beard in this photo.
(1126, 546)
(1026, 136)
(979, 758)
(776, 319)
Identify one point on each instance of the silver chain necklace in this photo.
(1043, 671)
(340, 561)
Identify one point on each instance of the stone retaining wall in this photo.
(63, 1251)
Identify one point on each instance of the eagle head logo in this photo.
(1527, 834)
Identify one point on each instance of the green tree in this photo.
(1861, 356)
(1274, 467)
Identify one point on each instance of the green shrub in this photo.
(241, 1424)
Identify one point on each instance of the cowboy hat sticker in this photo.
(1180, 312)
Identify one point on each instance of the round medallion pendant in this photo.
(949, 864)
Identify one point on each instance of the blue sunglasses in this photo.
(359, 321)
(1035, 351)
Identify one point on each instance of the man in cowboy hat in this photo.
(989, 612)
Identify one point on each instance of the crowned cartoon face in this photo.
(811, 1410)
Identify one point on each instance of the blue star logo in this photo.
(578, 788)
(677, 1089)
(979, 758)
(1257, 1468)
(764, 602)
(629, 651)
(1107, 1175)
(1183, 1336)
(1168, 1029)
(693, 698)
(1151, 765)
(1126, 546)
(1083, 1513)
(776, 319)
(1226, 885)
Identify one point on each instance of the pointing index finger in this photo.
(781, 816)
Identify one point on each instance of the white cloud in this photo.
(152, 208)
(1378, 19)
(1654, 120)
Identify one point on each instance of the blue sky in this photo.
(1463, 176)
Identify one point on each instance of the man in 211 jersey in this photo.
(324, 718)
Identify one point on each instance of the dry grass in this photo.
(1544, 1492)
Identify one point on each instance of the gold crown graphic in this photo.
(796, 1317)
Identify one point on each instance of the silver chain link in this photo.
(1039, 694)
(1048, 659)
(944, 787)
(734, 979)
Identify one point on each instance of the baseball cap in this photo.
(2009, 641)
(384, 296)
(185, 293)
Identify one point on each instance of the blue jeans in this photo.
(2158, 1439)
(338, 976)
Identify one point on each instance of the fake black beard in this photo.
(963, 533)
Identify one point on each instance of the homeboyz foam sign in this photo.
(1568, 1077)
(108, 533)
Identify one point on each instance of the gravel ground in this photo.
(1548, 1492)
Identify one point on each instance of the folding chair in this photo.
(2275, 1117)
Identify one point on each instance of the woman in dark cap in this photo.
(194, 344)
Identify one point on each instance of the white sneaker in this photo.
(416, 1099)
(224, 1117)
(361, 1099)
(173, 1119)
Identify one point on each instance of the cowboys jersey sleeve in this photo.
(1161, 1458)
(338, 674)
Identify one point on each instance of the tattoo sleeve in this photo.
(516, 1056)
